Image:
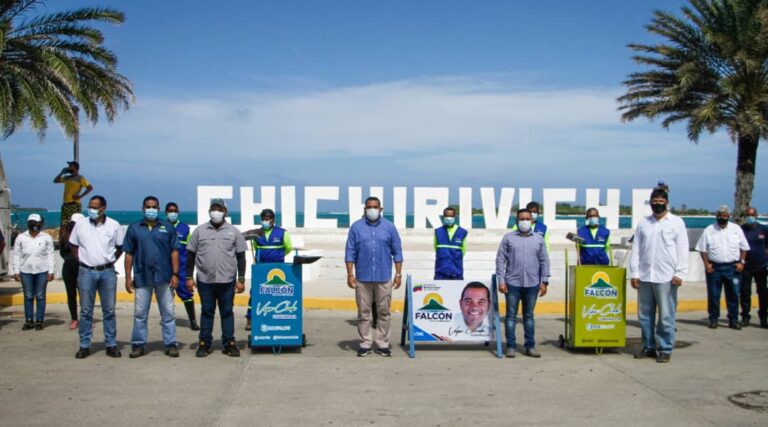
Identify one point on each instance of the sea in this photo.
(51, 218)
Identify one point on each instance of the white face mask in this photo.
(534, 216)
(372, 214)
(216, 216)
(524, 225)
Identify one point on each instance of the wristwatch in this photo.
(545, 283)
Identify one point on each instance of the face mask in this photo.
(658, 208)
(534, 216)
(372, 214)
(150, 214)
(449, 221)
(93, 214)
(33, 226)
(524, 225)
(750, 220)
(172, 216)
(266, 225)
(216, 216)
(722, 221)
(593, 221)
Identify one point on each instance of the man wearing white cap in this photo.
(33, 266)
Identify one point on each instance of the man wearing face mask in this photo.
(182, 233)
(537, 226)
(97, 244)
(217, 249)
(450, 246)
(723, 248)
(74, 183)
(272, 244)
(373, 244)
(32, 264)
(755, 267)
(522, 270)
(595, 249)
(152, 251)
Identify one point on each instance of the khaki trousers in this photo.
(368, 294)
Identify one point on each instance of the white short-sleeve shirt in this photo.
(97, 242)
(722, 245)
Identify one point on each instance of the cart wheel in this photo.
(487, 343)
(561, 341)
(249, 342)
(303, 340)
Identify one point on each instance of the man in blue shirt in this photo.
(182, 233)
(373, 244)
(755, 267)
(152, 251)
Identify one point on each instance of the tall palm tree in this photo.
(710, 71)
(55, 66)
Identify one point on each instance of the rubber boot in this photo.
(189, 305)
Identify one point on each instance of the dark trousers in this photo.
(69, 274)
(211, 295)
(724, 276)
(761, 277)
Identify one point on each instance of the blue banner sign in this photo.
(276, 305)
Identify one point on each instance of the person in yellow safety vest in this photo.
(595, 249)
(271, 245)
(450, 247)
(537, 225)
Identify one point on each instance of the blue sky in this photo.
(414, 93)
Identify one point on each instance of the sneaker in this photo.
(231, 349)
(203, 350)
(83, 353)
(713, 324)
(531, 352)
(386, 352)
(28, 325)
(734, 325)
(663, 358)
(172, 351)
(247, 324)
(646, 353)
(362, 352)
(193, 325)
(73, 325)
(137, 351)
(38, 326)
(114, 352)
(510, 352)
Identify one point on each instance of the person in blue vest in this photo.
(272, 244)
(450, 247)
(596, 247)
(182, 232)
(537, 225)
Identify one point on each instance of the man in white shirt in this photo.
(97, 244)
(723, 249)
(658, 265)
(33, 266)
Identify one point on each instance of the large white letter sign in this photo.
(399, 206)
(640, 205)
(311, 196)
(204, 195)
(465, 207)
(609, 211)
(424, 211)
(249, 209)
(496, 219)
(551, 197)
(288, 206)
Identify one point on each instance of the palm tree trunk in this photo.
(5, 219)
(745, 174)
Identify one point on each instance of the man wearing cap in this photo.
(756, 267)
(96, 244)
(217, 249)
(33, 266)
(73, 184)
(450, 246)
(658, 264)
(272, 244)
(723, 248)
(595, 244)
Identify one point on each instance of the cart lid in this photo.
(305, 259)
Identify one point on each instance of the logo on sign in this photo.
(601, 288)
(433, 309)
(276, 284)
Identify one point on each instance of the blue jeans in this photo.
(528, 296)
(725, 275)
(212, 294)
(663, 296)
(142, 301)
(34, 286)
(105, 283)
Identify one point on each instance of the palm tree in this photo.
(55, 66)
(710, 71)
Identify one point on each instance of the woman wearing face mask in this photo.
(33, 266)
(595, 249)
(70, 268)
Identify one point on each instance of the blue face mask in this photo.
(150, 214)
(93, 214)
(172, 216)
(750, 220)
(593, 221)
(266, 225)
(449, 221)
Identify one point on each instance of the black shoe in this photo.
(663, 358)
(193, 325)
(386, 352)
(28, 325)
(362, 352)
(247, 324)
(764, 323)
(114, 352)
(38, 326)
(137, 351)
(734, 325)
(83, 353)
(745, 322)
(646, 353)
(172, 351)
(231, 349)
(713, 324)
(203, 350)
